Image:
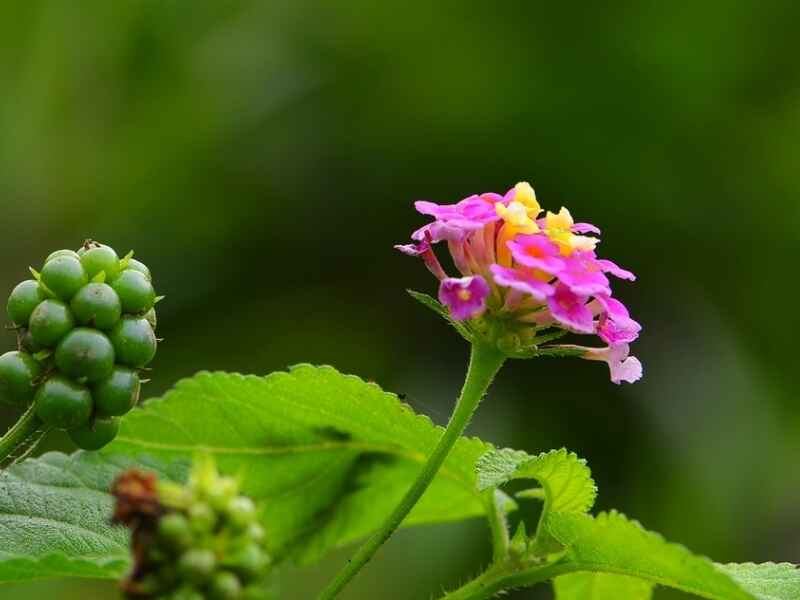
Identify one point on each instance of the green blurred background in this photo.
(262, 157)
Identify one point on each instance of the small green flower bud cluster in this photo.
(203, 542)
(85, 328)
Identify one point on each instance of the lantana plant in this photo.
(224, 480)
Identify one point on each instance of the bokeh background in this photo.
(262, 157)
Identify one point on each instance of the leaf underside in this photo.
(54, 517)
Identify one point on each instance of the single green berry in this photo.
(134, 342)
(174, 530)
(50, 321)
(18, 370)
(151, 317)
(202, 518)
(62, 403)
(100, 258)
(197, 565)
(256, 533)
(94, 435)
(241, 512)
(186, 593)
(85, 353)
(97, 305)
(64, 276)
(135, 291)
(23, 299)
(58, 253)
(221, 492)
(118, 393)
(225, 586)
(138, 265)
(250, 561)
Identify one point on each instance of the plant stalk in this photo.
(22, 430)
(485, 362)
(498, 579)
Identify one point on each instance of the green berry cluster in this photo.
(204, 541)
(85, 328)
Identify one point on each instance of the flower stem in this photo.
(501, 578)
(22, 430)
(485, 362)
(498, 524)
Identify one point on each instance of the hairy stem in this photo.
(22, 430)
(498, 523)
(485, 362)
(502, 577)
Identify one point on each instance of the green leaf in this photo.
(325, 455)
(768, 581)
(601, 586)
(442, 311)
(55, 517)
(611, 543)
(566, 480)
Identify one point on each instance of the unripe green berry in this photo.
(174, 530)
(64, 276)
(186, 593)
(250, 561)
(197, 565)
(137, 265)
(256, 533)
(50, 321)
(202, 518)
(134, 342)
(225, 586)
(23, 300)
(220, 493)
(118, 393)
(58, 253)
(241, 512)
(62, 403)
(85, 353)
(18, 370)
(135, 291)
(97, 305)
(96, 434)
(100, 258)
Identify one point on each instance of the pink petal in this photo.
(585, 228)
(521, 281)
(465, 297)
(583, 275)
(537, 252)
(616, 271)
(570, 310)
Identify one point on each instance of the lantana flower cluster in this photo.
(534, 272)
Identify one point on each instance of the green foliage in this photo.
(567, 485)
(612, 543)
(601, 586)
(768, 581)
(326, 454)
(55, 517)
(565, 478)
